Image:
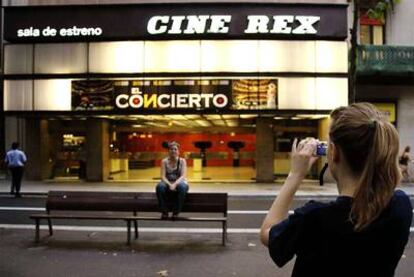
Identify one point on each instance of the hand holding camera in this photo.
(304, 155)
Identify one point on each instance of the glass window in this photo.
(228, 56)
(286, 56)
(18, 59)
(331, 93)
(365, 36)
(116, 57)
(172, 56)
(52, 95)
(18, 95)
(63, 58)
(372, 34)
(331, 56)
(297, 93)
(378, 35)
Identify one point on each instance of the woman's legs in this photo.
(182, 189)
(404, 172)
(162, 189)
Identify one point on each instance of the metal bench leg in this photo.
(128, 232)
(37, 230)
(49, 222)
(136, 228)
(224, 235)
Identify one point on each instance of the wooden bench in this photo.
(130, 207)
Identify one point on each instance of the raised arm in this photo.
(302, 158)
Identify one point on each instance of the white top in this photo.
(173, 173)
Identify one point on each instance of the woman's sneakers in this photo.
(174, 216)
(164, 215)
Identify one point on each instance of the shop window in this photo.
(18, 59)
(60, 58)
(72, 142)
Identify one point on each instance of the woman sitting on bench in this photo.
(173, 181)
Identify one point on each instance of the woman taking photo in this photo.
(173, 181)
(365, 230)
(404, 160)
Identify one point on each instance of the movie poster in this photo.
(191, 94)
(92, 95)
(255, 94)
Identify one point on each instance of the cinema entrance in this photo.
(217, 148)
(233, 84)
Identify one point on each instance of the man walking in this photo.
(15, 160)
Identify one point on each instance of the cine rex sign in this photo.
(175, 21)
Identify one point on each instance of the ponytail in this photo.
(370, 145)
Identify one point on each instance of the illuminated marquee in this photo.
(163, 101)
(199, 24)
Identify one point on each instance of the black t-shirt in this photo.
(325, 243)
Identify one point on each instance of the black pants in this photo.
(17, 174)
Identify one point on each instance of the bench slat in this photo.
(111, 217)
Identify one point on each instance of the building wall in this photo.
(399, 24)
(404, 96)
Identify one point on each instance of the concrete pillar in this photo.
(14, 131)
(264, 150)
(97, 150)
(38, 149)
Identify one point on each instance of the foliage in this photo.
(381, 9)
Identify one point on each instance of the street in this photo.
(97, 248)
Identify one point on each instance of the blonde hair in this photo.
(370, 145)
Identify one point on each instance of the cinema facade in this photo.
(95, 91)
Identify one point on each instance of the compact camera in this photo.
(321, 148)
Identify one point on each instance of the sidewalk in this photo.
(308, 188)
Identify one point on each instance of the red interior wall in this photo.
(137, 143)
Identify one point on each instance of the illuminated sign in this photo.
(197, 24)
(175, 21)
(63, 32)
(138, 100)
(187, 94)
(388, 110)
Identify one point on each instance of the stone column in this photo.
(97, 150)
(38, 149)
(264, 150)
